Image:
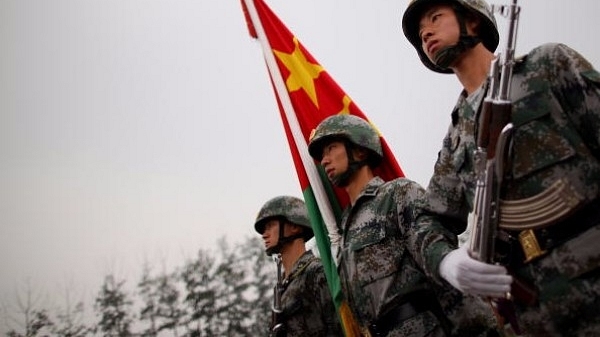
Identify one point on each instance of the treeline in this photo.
(223, 293)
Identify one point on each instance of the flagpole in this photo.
(307, 161)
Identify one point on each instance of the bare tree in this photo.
(69, 321)
(27, 317)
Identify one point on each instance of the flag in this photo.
(306, 94)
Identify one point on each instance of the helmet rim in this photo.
(352, 128)
(288, 208)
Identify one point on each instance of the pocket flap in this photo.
(368, 235)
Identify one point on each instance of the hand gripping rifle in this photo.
(277, 327)
(493, 140)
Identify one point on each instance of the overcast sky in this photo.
(144, 130)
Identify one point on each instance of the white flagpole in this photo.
(307, 161)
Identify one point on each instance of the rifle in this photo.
(277, 327)
(493, 142)
(494, 135)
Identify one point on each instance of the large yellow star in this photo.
(302, 72)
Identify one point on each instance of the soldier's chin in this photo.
(270, 250)
(340, 180)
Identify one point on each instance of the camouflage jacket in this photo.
(308, 309)
(376, 270)
(556, 113)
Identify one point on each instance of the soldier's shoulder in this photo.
(401, 182)
(314, 272)
(554, 58)
(549, 47)
(550, 51)
(313, 264)
(402, 187)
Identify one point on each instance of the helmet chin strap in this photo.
(343, 179)
(446, 56)
(282, 240)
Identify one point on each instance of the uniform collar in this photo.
(371, 188)
(299, 266)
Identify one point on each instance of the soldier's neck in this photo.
(473, 67)
(359, 180)
(290, 253)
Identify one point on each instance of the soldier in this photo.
(307, 307)
(388, 294)
(554, 156)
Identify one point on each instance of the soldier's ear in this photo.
(473, 23)
(360, 153)
(295, 229)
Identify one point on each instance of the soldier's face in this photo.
(438, 28)
(271, 234)
(335, 159)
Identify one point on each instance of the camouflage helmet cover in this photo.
(355, 129)
(290, 208)
(488, 32)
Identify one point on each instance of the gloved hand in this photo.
(474, 277)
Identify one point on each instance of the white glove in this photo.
(474, 277)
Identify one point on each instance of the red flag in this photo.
(306, 95)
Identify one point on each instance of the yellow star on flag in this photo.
(346, 111)
(302, 72)
(346, 108)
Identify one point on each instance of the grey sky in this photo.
(143, 130)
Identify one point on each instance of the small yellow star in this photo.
(302, 72)
(346, 109)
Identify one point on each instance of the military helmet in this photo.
(353, 128)
(290, 208)
(488, 31)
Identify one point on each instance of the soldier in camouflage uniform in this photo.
(308, 309)
(555, 151)
(388, 294)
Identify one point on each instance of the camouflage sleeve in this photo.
(452, 180)
(429, 242)
(408, 196)
(429, 239)
(577, 86)
(443, 209)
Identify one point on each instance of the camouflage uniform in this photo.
(306, 301)
(388, 294)
(556, 97)
(379, 274)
